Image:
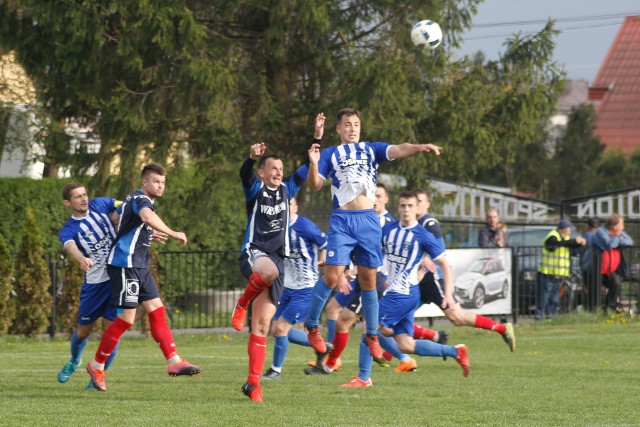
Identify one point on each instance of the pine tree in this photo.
(7, 301)
(69, 303)
(33, 302)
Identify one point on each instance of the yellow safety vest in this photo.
(555, 263)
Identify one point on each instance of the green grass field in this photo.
(582, 370)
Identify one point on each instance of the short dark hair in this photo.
(156, 168)
(408, 195)
(66, 191)
(614, 220)
(381, 185)
(264, 159)
(419, 191)
(347, 112)
(593, 223)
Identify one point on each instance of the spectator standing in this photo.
(555, 265)
(493, 235)
(608, 240)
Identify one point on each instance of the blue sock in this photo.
(365, 360)
(370, 308)
(77, 346)
(319, 296)
(297, 336)
(331, 330)
(280, 350)
(390, 345)
(111, 357)
(430, 348)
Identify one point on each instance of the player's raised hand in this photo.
(159, 237)
(314, 153)
(319, 129)
(179, 235)
(427, 148)
(257, 150)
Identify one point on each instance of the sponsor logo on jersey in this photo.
(354, 162)
(273, 210)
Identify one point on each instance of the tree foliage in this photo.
(69, 302)
(7, 301)
(33, 301)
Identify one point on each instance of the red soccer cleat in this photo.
(183, 368)
(97, 378)
(254, 392)
(463, 359)
(371, 340)
(357, 382)
(315, 340)
(238, 317)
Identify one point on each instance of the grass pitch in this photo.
(582, 370)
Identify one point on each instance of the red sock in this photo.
(257, 350)
(110, 339)
(420, 333)
(161, 333)
(339, 344)
(255, 285)
(486, 323)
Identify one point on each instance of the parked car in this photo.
(486, 277)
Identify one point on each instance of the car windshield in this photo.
(477, 266)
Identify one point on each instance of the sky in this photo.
(588, 28)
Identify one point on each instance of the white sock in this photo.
(436, 337)
(173, 360)
(278, 370)
(96, 365)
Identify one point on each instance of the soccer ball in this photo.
(426, 35)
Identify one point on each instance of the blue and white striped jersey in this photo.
(353, 169)
(93, 234)
(404, 248)
(131, 248)
(385, 219)
(268, 210)
(301, 267)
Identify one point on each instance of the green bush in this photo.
(7, 302)
(33, 302)
(67, 310)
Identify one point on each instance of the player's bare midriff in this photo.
(359, 203)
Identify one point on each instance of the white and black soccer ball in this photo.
(426, 35)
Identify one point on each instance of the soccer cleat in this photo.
(183, 368)
(443, 338)
(254, 392)
(463, 359)
(66, 371)
(90, 387)
(357, 382)
(409, 366)
(315, 340)
(315, 370)
(239, 317)
(374, 345)
(509, 336)
(336, 368)
(97, 378)
(382, 362)
(271, 375)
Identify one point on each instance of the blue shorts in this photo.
(396, 311)
(131, 286)
(294, 304)
(358, 231)
(95, 302)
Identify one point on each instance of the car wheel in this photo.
(478, 296)
(505, 289)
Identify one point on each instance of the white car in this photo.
(485, 277)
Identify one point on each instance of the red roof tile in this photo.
(617, 88)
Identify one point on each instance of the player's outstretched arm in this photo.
(314, 180)
(407, 150)
(152, 219)
(72, 249)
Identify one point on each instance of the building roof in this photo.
(616, 90)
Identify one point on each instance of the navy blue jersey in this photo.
(353, 169)
(93, 234)
(404, 248)
(131, 248)
(385, 218)
(268, 210)
(301, 267)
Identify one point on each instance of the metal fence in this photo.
(200, 289)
